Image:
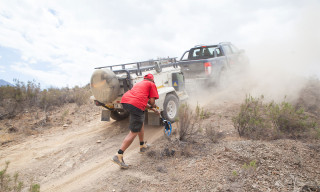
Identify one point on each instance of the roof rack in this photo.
(139, 67)
(200, 45)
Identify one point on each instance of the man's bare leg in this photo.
(118, 159)
(141, 133)
(128, 140)
(143, 146)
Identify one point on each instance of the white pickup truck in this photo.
(109, 83)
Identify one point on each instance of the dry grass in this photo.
(25, 96)
(188, 123)
(260, 120)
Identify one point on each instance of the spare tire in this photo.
(105, 85)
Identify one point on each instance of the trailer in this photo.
(109, 83)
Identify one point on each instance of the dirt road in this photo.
(73, 158)
(77, 158)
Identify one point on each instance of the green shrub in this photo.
(10, 183)
(288, 119)
(251, 120)
(202, 113)
(34, 188)
(251, 165)
(6, 182)
(257, 120)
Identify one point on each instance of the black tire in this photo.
(219, 79)
(170, 108)
(119, 115)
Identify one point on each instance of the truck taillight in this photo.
(207, 68)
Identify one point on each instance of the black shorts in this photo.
(136, 117)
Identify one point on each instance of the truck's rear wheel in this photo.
(119, 115)
(171, 107)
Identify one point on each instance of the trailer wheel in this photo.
(171, 107)
(119, 115)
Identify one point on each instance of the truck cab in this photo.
(208, 62)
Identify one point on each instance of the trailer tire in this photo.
(171, 107)
(119, 115)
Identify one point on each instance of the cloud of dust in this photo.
(279, 67)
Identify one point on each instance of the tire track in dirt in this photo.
(46, 145)
(102, 166)
(71, 159)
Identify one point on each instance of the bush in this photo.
(202, 113)
(251, 120)
(211, 133)
(11, 183)
(188, 123)
(289, 120)
(257, 120)
(81, 95)
(14, 100)
(22, 97)
(309, 97)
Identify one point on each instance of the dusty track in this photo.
(71, 159)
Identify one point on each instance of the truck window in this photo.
(202, 52)
(197, 53)
(209, 51)
(218, 51)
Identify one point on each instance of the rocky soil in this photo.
(72, 148)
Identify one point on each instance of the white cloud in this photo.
(73, 37)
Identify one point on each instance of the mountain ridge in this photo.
(5, 83)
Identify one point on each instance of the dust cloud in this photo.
(280, 65)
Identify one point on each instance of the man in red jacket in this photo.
(135, 101)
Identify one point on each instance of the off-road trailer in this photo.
(109, 83)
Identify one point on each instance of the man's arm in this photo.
(152, 102)
(152, 106)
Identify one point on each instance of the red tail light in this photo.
(207, 68)
(207, 64)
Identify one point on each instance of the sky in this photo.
(59, 43)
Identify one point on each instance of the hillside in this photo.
(4, 83)
(69, 149)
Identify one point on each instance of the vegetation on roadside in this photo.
(26, 96)
(190, 127)
(270, 120)
(190, 123)
(9, 183)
